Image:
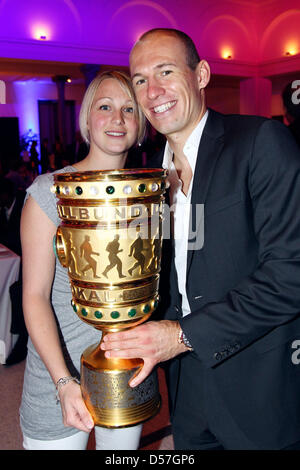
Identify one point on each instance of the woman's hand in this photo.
(74, 410)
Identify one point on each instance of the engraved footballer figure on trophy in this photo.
(86, 251)
(113, 250)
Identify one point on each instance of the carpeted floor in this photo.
(156, 432)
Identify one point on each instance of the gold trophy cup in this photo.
(110, 240)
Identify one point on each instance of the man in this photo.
(232, 380)
(45, 155)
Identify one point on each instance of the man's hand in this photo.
(153, 342)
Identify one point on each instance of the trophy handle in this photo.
(59, 248)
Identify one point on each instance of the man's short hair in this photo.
(192, 56)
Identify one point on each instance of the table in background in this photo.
(9, 273)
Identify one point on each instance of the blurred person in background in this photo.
(11, 204)
(291, 103)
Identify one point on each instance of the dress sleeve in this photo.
(40, 190)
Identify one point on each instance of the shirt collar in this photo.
(190, 148)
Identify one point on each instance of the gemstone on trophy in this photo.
(110, 189)
(78, 190)
(154, 187)
(94, 191)
(146, 309)
(132, 312)
(127, 189)
(142, 188)
(114, 314)
(66, 190)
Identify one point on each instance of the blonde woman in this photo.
(111, 123)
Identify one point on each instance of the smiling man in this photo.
(227, 334)
(168, 88)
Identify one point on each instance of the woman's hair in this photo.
(125, 83)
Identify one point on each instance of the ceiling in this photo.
(102, 31)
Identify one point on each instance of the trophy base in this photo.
(107, 395)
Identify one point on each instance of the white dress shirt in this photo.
(180, 204)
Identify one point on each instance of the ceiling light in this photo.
(226, 53)
(291, 48)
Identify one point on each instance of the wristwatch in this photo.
(183, 339)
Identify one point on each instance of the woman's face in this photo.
(112, 122)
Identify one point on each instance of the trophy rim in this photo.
(117, 174)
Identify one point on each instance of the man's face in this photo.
(167, 89)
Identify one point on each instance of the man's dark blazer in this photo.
(243, 286)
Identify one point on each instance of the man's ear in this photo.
(203, 74)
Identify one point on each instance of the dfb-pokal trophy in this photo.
(110, 239)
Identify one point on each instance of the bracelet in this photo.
(182, 339)
(61, 382)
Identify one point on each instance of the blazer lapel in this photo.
(211, 145)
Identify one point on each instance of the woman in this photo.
(111, 122)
